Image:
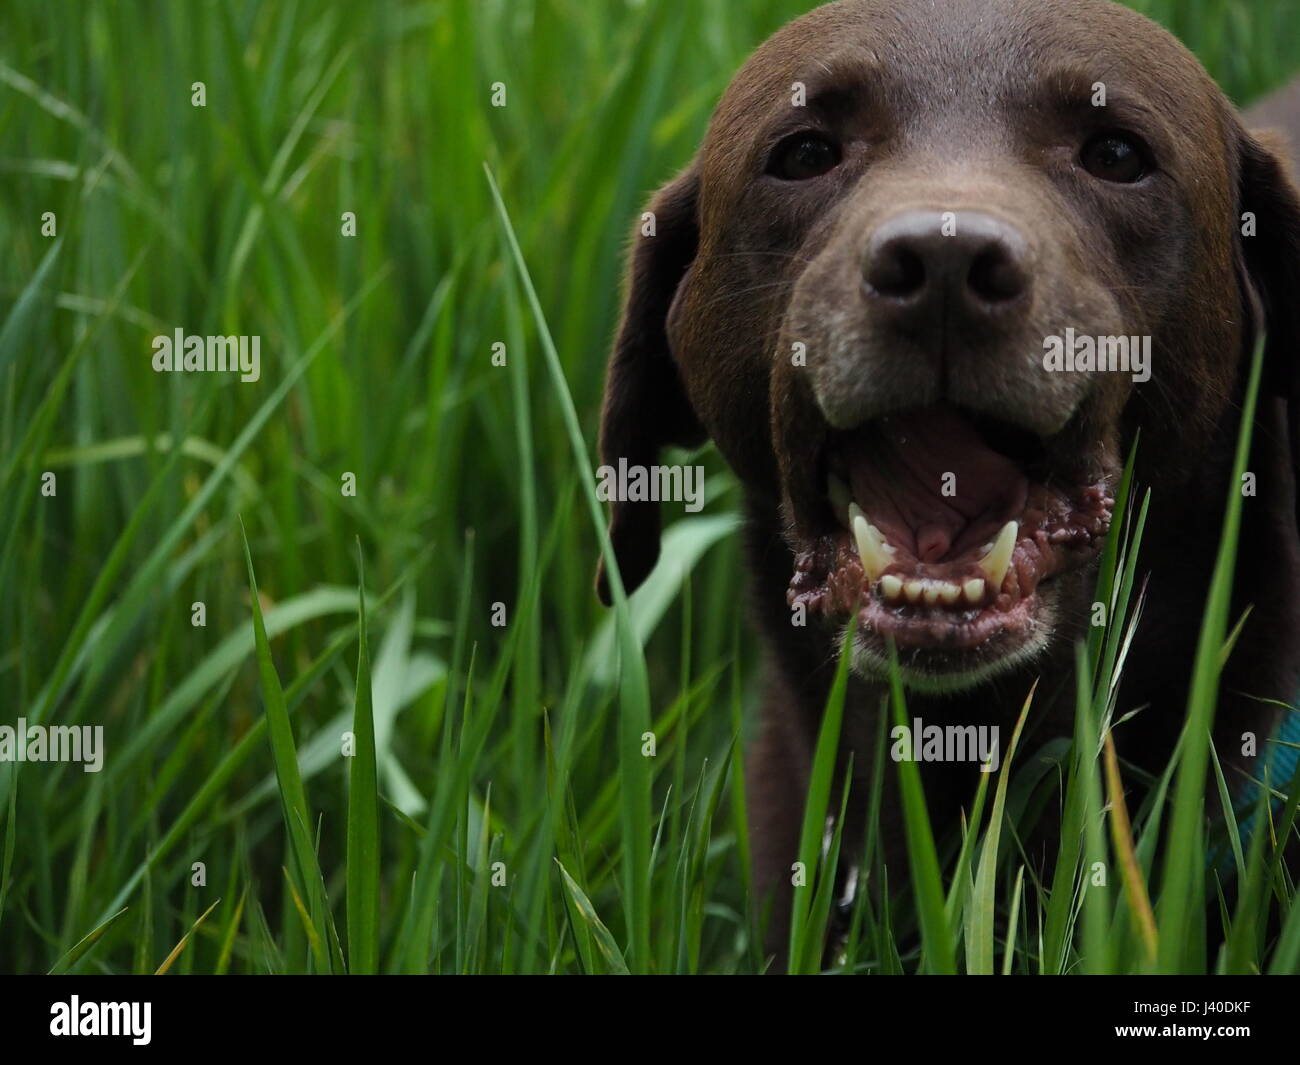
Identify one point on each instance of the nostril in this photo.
(994, 275)
(896, 270)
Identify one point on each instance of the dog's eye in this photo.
(1117, 157)
(803, 156)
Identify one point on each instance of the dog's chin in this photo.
(947, 535)
(939, 655)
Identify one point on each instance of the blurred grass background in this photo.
(492, 743)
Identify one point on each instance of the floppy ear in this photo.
(646, 407)
(1272, 260)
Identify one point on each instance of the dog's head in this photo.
(931, 269)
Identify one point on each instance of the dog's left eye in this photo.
(803, 156)
(1116, 157)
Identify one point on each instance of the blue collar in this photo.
(1276, 767)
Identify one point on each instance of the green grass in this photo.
(498, 814)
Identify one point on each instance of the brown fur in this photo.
(975, 106)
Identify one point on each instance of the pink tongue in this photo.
(931, 485)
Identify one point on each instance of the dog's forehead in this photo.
(971, 63)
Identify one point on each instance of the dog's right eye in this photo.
(803, 156)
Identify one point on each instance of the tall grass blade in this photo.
(363, 810)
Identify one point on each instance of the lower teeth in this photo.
(894, 589)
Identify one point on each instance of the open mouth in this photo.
(941, 528)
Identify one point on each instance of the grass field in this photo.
(497, 814)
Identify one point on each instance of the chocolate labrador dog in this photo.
(933, 268)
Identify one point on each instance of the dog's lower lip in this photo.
(944, 630)
(954, 602)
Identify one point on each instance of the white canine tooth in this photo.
(838, 493)
(998, 559)
(974, 589)
(913, 590)
(891, 587)
(872, 549)
(949, 593)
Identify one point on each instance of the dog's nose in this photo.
(968, 266)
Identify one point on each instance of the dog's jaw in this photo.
(957, 543)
